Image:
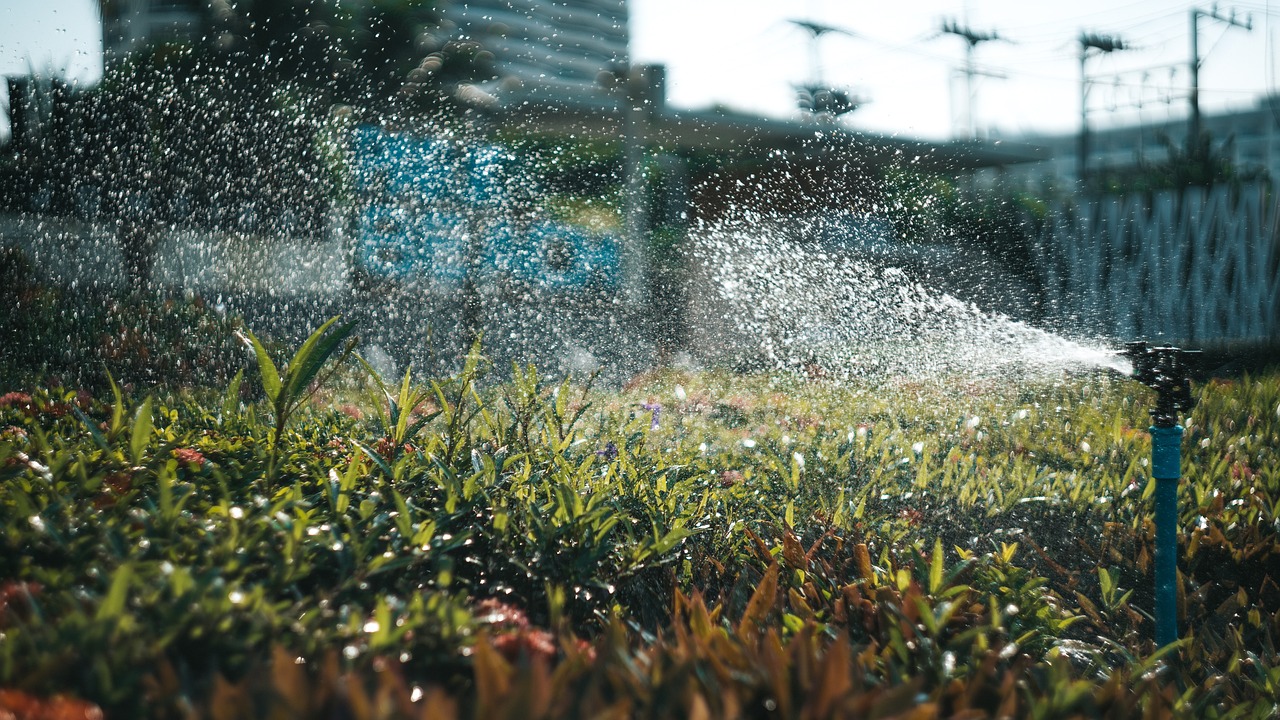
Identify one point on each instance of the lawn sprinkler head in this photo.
(1166, 370)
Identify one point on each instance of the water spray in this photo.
(1167, 371)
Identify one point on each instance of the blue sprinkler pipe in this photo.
(1166, 469)
(1165, 369)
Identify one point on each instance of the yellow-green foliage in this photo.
(692, 545)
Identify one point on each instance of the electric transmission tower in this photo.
(816, 96)
(972, 39)
(1193, 98)
(1101, 44)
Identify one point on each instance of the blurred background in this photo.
(551, 176)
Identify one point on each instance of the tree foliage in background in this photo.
(223, 132)
(1202, 164)
(380, 52)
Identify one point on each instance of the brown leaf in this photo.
(762, 601)
(817, 544)
(778, 672)
(229, 702)
(792, 550)
(65, 708)
(438, 705)
(1144, 559)
(1090, 609)
(289, 681)
(698, 709)
(833, 679)
(863, 558)
(1054, 566)
(493, 675)
(762, 550)
(798, 605)
(359, 706)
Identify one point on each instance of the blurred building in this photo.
(546, 49)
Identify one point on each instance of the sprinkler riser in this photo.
(1166, 470)
(1166, 370)
(1166, 452)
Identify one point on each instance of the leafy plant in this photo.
(288, 393)
(471, 546)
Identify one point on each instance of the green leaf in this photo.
(404, 523)
(935, 568)
(376, 458)
(383, 395)
(231, 401)
(164, 477)
(114, 603)
(306, 363)
(140, 436)
(117, 409)
(92, 427)
(270, 376)
(404, 406)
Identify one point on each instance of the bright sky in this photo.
(745, 55)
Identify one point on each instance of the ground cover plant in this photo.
(313, 540)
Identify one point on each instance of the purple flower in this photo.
(610, 452)
(656, 408)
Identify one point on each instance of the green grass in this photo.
(733, 545)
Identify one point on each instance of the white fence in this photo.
(76, 253)
(1194, 266)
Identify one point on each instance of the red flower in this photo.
(496, 612)
(18, 705)
(912, 516)
(190, 457)
(586, 650)
(15, 398)
(533, 643)
(16, 600)
(729, 478)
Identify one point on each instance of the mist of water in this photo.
(847, 314)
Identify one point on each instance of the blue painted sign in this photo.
(421, 199)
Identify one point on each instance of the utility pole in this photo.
(1193, 129)
(817, 97)
(1101, 43)
(972, 39)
